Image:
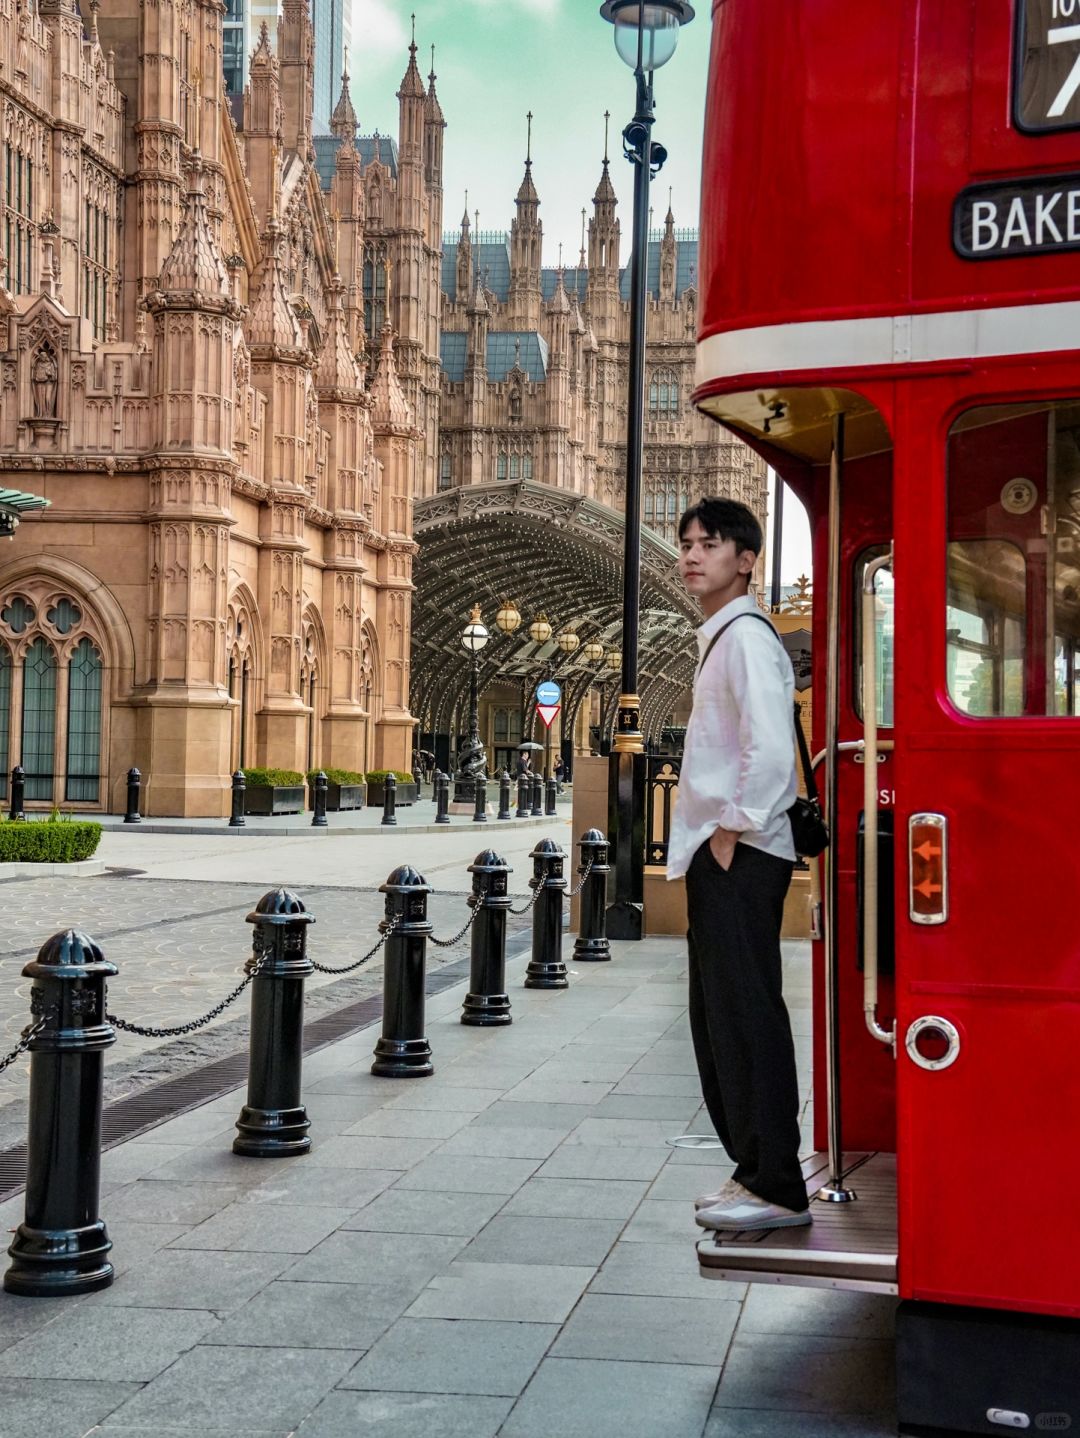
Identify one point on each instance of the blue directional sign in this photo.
(548, 692)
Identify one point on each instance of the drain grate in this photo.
(133, 1115)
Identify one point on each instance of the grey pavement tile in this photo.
(662, 1221)
(550, 1089)
(420, 1094)
(671, 1108)
(347, 1188)
(591, 1161)
(238, 1387)
(357, 1080)
(357, 1257)
(754, 1423)
(197, 1127)
(440, 1355)
(808, 1374)
(576, 1198)
(648, 1330)
(161, 1430)
(420, 1415)
(574, 1241)
(409, 1123)
(64, 1408)
(212, 1165)
(265, 1228)
(134, 1242)
(19, 1317)
(176, 1278)
(659, 1085)
(132, 1346)
(504, 1292)
(626, 1132)
(803, 1311)
(663, 1270)
(561, 1118)
(153, 1200)
(343, 1151)
(340, 1107)
(462, 1173)
(418, 1211)
(487, 1141)
(129, 1161)
(314, 1315)
(686, 1181)
(590, 1398)
(472, 1073)
(667, 1057)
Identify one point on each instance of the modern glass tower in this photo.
(332, 23)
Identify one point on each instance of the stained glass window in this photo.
(84, 724)
(39, 719)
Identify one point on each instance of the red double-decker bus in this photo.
(890, 275)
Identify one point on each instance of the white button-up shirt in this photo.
(738, 765)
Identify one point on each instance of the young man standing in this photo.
(731, 839)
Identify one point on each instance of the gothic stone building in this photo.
(191, 376)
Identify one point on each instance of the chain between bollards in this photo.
(449, 943)
(26, 1038)
(350, 968)
(146, 1032)
(573, 893)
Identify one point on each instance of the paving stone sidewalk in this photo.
(504, 1248)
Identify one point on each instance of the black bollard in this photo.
(389, 802)
(236, 820)
(442, 797)
(487, 1003)
(546, 969)
(18, 788)
(62, 1244)
(504, 796)
(551, 794)
(524, 788)
(537, 810)
(274, 1122)
(318, 816)
(403, 1051)
(591, 944)
(480, 806)
(134, 781)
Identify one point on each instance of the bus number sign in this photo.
(1046, 73)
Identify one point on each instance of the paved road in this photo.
(175, 927)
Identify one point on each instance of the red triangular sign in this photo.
(547, 713)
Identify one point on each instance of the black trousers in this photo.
(739, 1021)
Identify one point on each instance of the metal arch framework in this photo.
(550, 550)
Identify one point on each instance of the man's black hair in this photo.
(725, 519)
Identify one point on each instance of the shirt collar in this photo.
(745, 604)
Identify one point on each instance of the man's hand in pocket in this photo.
(722, 846)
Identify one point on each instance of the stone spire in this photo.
(559, 304)
(389, 405)
(435, 115)
(343, 122)
(337, 369)
(528, 201)
(273, 320)
(194, 264)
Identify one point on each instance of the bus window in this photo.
(1013, 605)
(883, 585)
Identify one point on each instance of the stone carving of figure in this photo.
(43, 378)
(515, 402)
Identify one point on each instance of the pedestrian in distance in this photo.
(523, 766)
(560, 774)
(731, 841)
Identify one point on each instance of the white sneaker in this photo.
(747, 1211)
(728, 1191)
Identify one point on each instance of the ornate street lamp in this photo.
(614, 659)
(508, 618)
(568, 640)
(646, 33)
(472, 761)
(540, 629)
(594, 651)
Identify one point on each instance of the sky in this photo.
(498, 59)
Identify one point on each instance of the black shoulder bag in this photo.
(809, 832)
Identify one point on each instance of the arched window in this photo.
(39, 719)
(84, 724)
(664, 394)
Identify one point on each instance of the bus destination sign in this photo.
(1033, 216)
(1046, 68)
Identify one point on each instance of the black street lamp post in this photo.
(472, 761)
(646, 33)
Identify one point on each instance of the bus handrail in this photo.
(870, 802)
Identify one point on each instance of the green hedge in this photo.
(275, 778)
(376, 776)
(336, 776)
(47, 841)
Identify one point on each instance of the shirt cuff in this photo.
(743, 821)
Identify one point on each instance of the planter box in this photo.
(406, 794)
(340, 797)
(261, 800)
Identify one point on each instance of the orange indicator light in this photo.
(928, 884)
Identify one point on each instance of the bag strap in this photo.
(804, 752)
